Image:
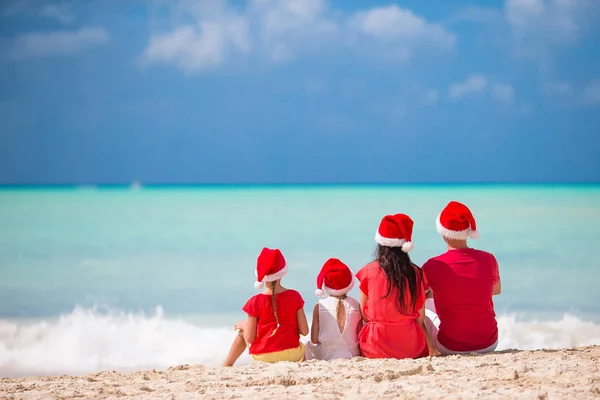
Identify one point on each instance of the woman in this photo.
(392, 296)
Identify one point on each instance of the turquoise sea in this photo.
(128, 278)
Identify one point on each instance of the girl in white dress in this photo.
(336, 317)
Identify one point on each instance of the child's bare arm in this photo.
(250, 330)
(302, 322)
(314, 330)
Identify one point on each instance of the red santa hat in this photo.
(270, 266)
(456, 222)
(335, 279)
(395, 231)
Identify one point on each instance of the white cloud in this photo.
(502, 92)
(278, 17)
(591, 93)
(64, 42)
(285, 27)
(520, 11)
(281, 30)
(543, 19)
(394, 23)
(201, 47)
(539, 27)
(472, 85)
(57, 12)
(570, 94)
(533, 29)
(479, 84)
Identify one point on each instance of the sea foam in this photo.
(89, 340)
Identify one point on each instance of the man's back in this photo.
(462, 281)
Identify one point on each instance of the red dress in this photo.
(389, 333)
(286, 336)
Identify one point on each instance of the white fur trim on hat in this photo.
(456, 235)
(326, 292)
(389, 242)
(383, 241)
(270, 278)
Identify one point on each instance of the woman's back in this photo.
(392, 330)
(384, 307)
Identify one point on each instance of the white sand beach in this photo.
(539, 374)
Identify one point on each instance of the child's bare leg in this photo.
(303, 358)
(237, 348)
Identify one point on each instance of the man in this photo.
(460, 317)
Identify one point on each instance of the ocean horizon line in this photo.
(136, 185)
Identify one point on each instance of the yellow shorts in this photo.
(293, 355)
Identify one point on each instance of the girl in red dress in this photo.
(276, 317)
(392, 296)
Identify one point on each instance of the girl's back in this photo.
(336, 342)
(336, 317)
(270, 337)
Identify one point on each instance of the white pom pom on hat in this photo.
(407, 247)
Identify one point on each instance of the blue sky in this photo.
(263, 91)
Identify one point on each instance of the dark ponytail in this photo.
(401, 273)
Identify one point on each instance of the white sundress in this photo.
(333, 343)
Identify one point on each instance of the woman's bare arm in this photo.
(363, 301)
(359, 326)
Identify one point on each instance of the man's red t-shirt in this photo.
(462, 281)
(286, 336)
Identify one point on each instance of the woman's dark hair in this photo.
(401, 274)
